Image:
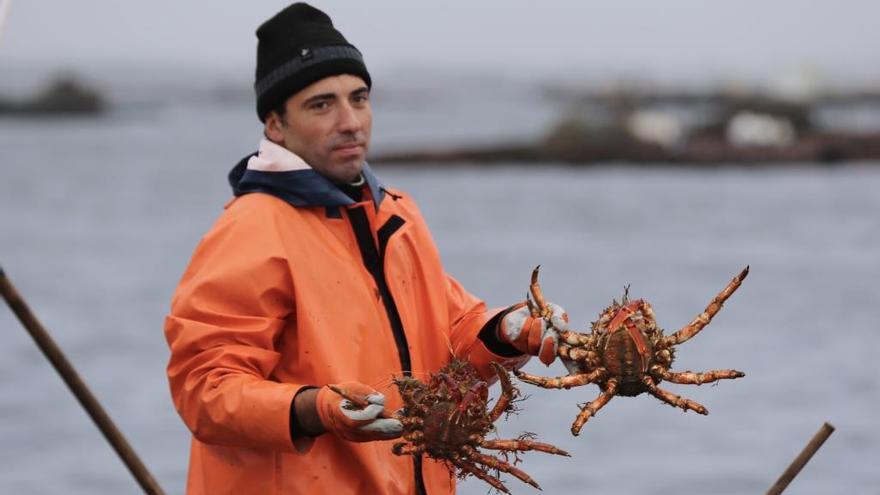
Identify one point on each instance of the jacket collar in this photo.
(281, 173)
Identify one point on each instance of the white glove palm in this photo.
(363, 421)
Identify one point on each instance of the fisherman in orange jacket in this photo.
(316, 274)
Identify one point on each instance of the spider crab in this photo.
(626, 353)
(447, 419)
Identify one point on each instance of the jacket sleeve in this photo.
(470, 319)
(234, 299)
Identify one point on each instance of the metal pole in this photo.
(801, 460)
(78, 387)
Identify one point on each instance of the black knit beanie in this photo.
(296, 47)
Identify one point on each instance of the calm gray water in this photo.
(98, 219)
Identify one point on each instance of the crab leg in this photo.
(539, 307)
(478, 388)
(358, 401)
(412, 421)
(471, 468)
(508, 393)
(590, 410)
(691, 378)
(402, 448)
(522, 446)
(574, 338)
(504, 467)
(561, 381)
(451, 385)
(415, 436)
(672, 399)
(703, 319)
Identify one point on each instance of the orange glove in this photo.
(534, 335)
(351, 422)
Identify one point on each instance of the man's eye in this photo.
(320, 105)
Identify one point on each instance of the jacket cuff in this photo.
(487, 349)
(261, 415)
(489, 336)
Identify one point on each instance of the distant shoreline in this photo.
(63, 96)
(828, 148)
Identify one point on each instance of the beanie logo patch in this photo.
(306, 54)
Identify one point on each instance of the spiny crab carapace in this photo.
(447, 418)
(626, 353)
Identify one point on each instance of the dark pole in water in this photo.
(801, 460)
(78, 387)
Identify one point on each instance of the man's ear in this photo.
(273, 128)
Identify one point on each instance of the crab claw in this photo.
(539, 307)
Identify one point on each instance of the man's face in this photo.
(328, 125)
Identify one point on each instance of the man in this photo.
(315, 274)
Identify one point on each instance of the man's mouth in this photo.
(349, 148)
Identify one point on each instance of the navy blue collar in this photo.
(299, 187)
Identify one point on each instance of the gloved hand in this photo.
(357, 424)
(532, 334)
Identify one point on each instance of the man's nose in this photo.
(348, 119)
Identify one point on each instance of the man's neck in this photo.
(354, 189)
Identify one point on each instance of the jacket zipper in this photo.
(374, 261)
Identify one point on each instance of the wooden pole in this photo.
(78, 387)
(801, 460)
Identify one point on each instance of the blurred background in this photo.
(659, 144)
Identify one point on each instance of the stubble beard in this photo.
(348, 169)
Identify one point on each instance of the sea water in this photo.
(98, 218)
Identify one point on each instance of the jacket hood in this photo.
(300, 188)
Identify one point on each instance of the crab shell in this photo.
(630, 343)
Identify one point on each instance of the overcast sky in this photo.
(667, 40)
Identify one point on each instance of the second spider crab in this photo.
(626, 353)
(447, 418)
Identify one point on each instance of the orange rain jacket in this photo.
(298, 285)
